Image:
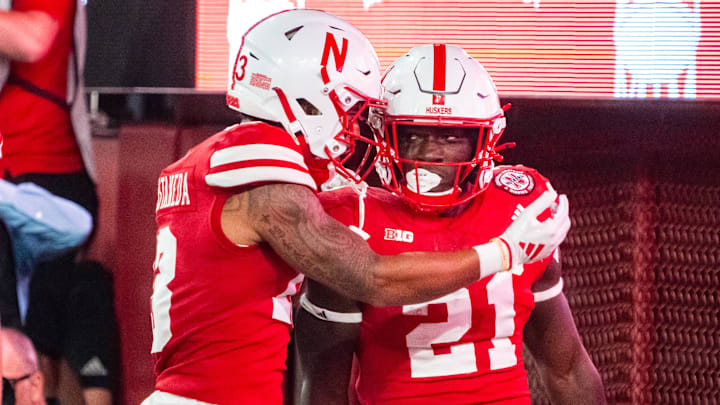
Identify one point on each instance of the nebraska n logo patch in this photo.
(338, 54)
(515, 182)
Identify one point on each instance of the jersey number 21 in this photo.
(462, 358)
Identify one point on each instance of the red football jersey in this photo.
(222, 312)
(466, 347)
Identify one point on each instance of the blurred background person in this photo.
(35, 227)
(1, 356)
(22, 379)
(43, 118)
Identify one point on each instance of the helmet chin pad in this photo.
(423, 181)
(425, 190)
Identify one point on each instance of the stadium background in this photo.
(641, 263)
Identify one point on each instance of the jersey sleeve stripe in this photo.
(256, 174)
(246, 153)
(256, 163)
(550, 293)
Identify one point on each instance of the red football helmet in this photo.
(442, 87)
(316, 75)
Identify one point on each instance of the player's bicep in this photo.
(551, 335)
(290, 218)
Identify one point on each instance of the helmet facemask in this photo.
(457, 167)
(354, 153)
(442, 89)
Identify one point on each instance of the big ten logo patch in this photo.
(399, 235)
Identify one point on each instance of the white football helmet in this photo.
(316, 75)
(439, 86)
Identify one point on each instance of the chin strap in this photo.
(293, 124)
(361, 190)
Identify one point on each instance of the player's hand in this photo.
(529, 240)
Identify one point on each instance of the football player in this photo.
(238, 215)
(442, 126)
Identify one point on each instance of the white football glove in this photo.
(529, 240)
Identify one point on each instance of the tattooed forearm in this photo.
(293, 222)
